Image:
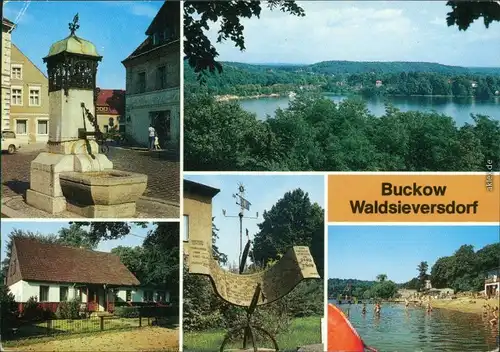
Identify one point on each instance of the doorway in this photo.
(161, 123)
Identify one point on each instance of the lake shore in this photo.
(228, 97)
(464, 304)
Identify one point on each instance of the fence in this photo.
(147, 316)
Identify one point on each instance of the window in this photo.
(44, 293)
(186, 227)
(22, 126)
(34, 96)
(17, 71)
(156, 39)
(106, 128)
(141, 84)
(161, 77)
(128, 296)
(43, 127)
(148, 296)
(63, 293)
(16, 96)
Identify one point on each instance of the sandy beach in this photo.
(464, 304)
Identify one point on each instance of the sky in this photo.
(364, 31)
(363, 252)
(116, 28)
(134, 239)
(262, 191)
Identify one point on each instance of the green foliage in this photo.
(293, 221)
(9, 310)
(422, 274)
(199, 16)
(32, 311)
(465, 269)
(127, 312)
(76, 236)
(465, 12)
(68, 310)
(360, 289)
(314, 133)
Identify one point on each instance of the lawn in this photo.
(303, 331)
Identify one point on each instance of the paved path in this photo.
(163, 174)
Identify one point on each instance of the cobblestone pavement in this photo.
(163, 173)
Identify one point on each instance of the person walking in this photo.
(157, 142)
(152, 133)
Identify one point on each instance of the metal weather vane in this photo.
(73, 26)
(244, 205)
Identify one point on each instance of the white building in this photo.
(7, 27)
(53, 273)
(153, 81)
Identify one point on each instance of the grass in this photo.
(303, 331)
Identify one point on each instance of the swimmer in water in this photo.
(377, 309)
(406, 303)
(363, 311)
(429, 307)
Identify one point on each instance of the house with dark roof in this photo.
(197, 211)
(110, 109)
(153, 81)
(54, 273)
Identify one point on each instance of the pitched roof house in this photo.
(54, 273)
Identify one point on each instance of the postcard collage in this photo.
(276, 175)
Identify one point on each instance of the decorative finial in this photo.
(74, 26)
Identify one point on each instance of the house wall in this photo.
(139, 106)
(36, 117)
(23, 290)
(138, 294)
(198, 222)
(103, 121)
(6, 55)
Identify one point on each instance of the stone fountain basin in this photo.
(110, 187)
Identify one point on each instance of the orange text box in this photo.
(414, 198)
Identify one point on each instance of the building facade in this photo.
(197, 210)
(29, 99)
(7, 28)
(110, 110)
(153, 81)
(492, 283)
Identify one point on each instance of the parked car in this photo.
(9, 142)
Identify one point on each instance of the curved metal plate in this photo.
(296, 265)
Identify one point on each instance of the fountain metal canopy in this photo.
(72, 62)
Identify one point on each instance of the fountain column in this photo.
(72, 69)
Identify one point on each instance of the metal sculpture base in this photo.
(249, 328)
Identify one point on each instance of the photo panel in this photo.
(91, 110)
(90, 286)
(341, 86)
(413, 262)
(253, 262)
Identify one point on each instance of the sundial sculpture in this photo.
(250, 290)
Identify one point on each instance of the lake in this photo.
(459, 108)
(414, 330)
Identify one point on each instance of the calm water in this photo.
(459, 108)
(398, 330)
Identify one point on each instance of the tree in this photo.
(9, 310)
(293, 221)
(198, 16)
(98, 231)
(76, 236)
(381, 277)
(465, 12)
(218, 255)
(422, 274)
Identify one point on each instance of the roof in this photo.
(40, 261)
(75, 45)
(7, 23)
(114, 99)
(199, 188)
(167, 17)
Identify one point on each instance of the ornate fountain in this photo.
(72, 175)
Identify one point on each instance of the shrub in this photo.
(127, 312)
(68, 310)
(31, 310)
(9, 310)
